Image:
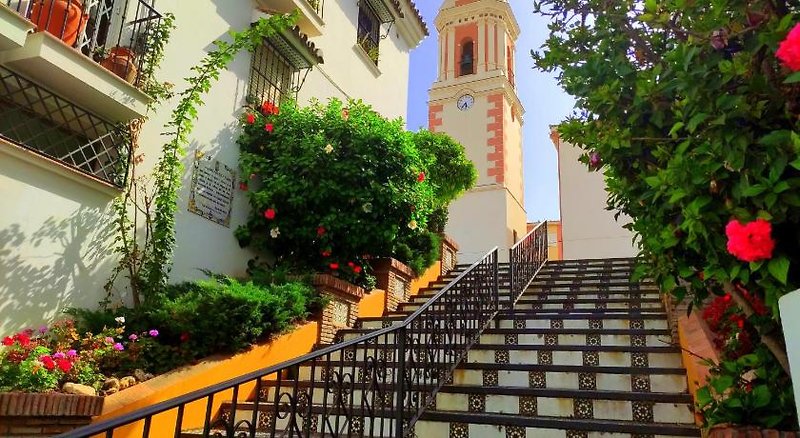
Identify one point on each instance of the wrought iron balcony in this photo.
(117, 34)
(40, 121)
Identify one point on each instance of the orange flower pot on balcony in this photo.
(63, 18)
(120, 61)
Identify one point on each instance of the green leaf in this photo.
(695, 121)
(722, 383)
(675, 128)
(779, 269)
(653, 181)
(792, 78)
(761, 396)
(795, 163)
(755, 266)
(704, 397)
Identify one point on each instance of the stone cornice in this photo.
(482, 9)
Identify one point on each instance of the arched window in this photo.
(467, 62)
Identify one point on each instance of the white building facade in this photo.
(63, 159)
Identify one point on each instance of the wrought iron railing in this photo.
(525, 258)
(318, 6)
(376, 385)
(38, 120)
(118, 34)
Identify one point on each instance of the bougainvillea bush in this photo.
(690, 109)
(332, 186)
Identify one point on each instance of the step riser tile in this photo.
(576, 358)
(605, 340)
(544, 305)
(622, 324)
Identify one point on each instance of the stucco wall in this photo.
(55, 238)
(589, 230)
(790, 308)
(478, 230)
(55, 241)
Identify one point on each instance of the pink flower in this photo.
(72, 353)
(243, 186)
(269, 213)
(251, 118)
(153, 333)
(133, 337)
(118, 347)
(59, 355)
(269, 127)
(43, 329)
(109, 340)
(326, 253)
(789, 49)
(751, 242)
(594, 160)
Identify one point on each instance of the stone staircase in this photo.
(583, 353)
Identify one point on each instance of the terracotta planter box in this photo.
(342, 310)
(39, 415)
(448, 254)
(747, 432)
(395, 278)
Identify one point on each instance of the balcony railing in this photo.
(526, 257)
(40, 121)
(376, 385)
(118, 34)
(317, 5)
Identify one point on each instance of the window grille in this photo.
(369, 26)
(272, 75)
(38, 120)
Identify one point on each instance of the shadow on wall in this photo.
(63, 263)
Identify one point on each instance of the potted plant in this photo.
(121, 62)
(63, 18)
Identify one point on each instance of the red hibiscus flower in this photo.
(357, 269)
(184, 337)
(269, 128)
(243, 186)
(8, 341)
(334, 266)
(326, 253)
(752, 242)
(64, 365)
(269, 213)
(320, 231)
(350, 264)
(251, 118)
(789, 49)
(269, 108)
(421, 177)
(726, 298)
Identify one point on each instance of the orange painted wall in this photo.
(697, 338)
(209, 372)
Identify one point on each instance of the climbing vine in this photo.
(146, 248)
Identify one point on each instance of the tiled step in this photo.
(483, 425)
(584, 303)
(512, 319)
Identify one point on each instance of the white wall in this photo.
(790, 309)
(55, 235)
(589, 230)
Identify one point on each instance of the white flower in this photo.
(120, 320)
(412, 225)
(328, 149)
(275, 233)
(367, 207)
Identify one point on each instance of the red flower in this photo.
(8, 341)
(251, 118)
(269, 213)
(320, 231)
(357, 269)
(351, 264)
(326, 253)
(421, 177)
(23, 339)
(64, 365)
(243, 186)
(701, 275)
(726, 298)
(334, 266)
(345, 113)
(789, 49)
(48, 362)
(740, 323)
(269, 128)
(752, 242)
(184, 337)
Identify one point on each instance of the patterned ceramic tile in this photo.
(545, 357)
(551, 339)
(639, 360)
(459, 430)
(556, 324)
(638, 340)
(501, 356)
(583, 408)
(528, 406)
(489, 377)
(591, 359)
(637, 324)
(643, 412)
(587, 381)
(515, 432)
(512, 339)
(593, 340)
(477, 402)
(596, 324)
(640, 382)
(537, 379)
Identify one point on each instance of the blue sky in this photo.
(545, 104)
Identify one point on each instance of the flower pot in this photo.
(120, 61)
(45, 414)
(63, 18)
(395, 278)
(342, 309)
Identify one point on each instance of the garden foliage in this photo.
(332, 186)
(693, 119)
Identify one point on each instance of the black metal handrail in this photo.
(376, 385)
(526, 258)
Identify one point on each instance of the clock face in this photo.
(465, 102)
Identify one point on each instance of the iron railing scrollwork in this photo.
(376, 385)
(525, 258)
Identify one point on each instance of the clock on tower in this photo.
(474, 101)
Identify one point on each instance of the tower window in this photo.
(369, 31)
(467, 62)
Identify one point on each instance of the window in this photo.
(369, 27)
(467, 64)
(272, 76)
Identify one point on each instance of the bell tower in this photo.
(474, 101)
